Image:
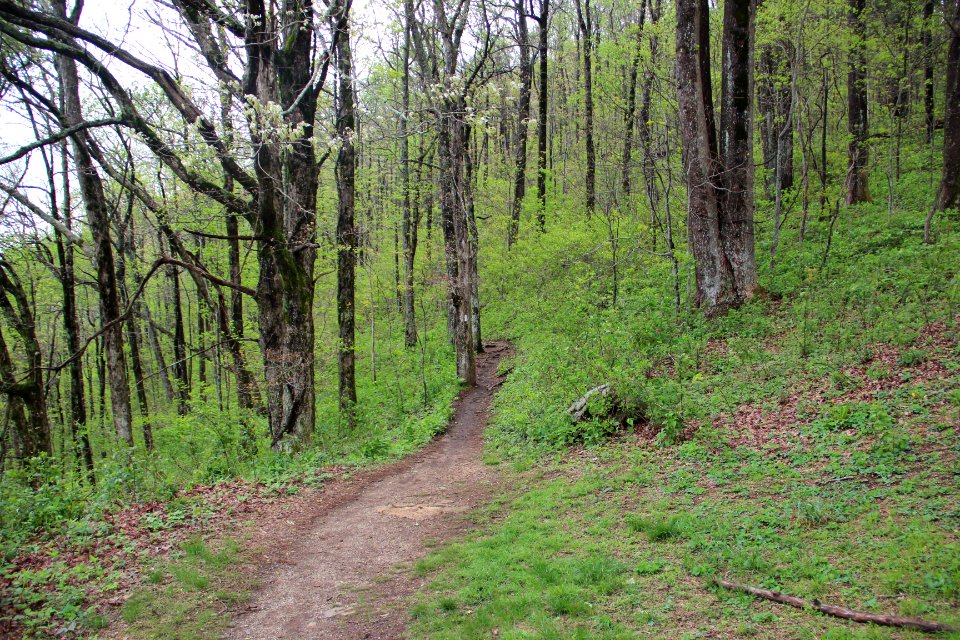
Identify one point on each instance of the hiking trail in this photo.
(340, 568)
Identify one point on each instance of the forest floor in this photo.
(337, 570)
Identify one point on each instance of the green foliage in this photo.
(841, 502)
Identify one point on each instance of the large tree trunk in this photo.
(949, 196)
(543, 22)
(98, 218)
(736, 146)
(720, 203)
(523, 123)
(451, 150)
(346, 234)
(285, 220)
(25, 445)
(714, 277)
(858, 154)
(585, 21)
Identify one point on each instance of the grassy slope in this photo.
(824, 461)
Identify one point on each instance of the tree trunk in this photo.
(523, 123)
(25, 445)
(643, 127)
(451, 151)
(98, 218)
(346, 234)
(949, 197)
(468, 185)
(543, 42)
(928, 59)
(631, 112)
(585, 21)
(858, 155)
(285, 219)
(720, 196)
(179, 345)
(125, 249)
(32, 436)
(774, 97)
(71, 325)
(736, 146)
(163, 371)
(410, 221)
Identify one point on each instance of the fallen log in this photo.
(838, 612)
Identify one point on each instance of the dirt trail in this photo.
(333, 573)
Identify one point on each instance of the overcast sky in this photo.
(133, 23)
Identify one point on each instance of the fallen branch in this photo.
(838, 612)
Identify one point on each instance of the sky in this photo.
(134, 23)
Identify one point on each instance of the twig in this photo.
(838, 612)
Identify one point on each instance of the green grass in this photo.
(185, 599)
(805, 443)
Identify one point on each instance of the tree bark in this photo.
(285, 220)
(474, 243)
(179, 344)
(949, 196)
(125, 248)
(719, 178)
(95, 204)
(543, 22)
(774, 97)
(71, 325)
(410, 221)
(643, 127)
(631, 112)
(32, 435)
(523, 122)
(858, 155)
(585, 21)
(736, 146)
(346, 233)
(928, 58)
(25, 445)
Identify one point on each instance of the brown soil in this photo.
(336, 567)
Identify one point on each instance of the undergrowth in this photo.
(806, 443)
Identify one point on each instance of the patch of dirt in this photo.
(771, 429)
(329, 568)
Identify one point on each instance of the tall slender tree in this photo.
(346, 231)
(858, 153)
(543, 43)
(523, 120)
(585, 23)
